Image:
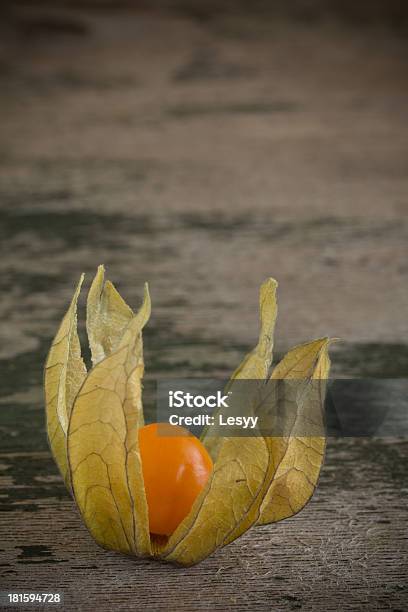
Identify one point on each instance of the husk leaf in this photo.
(298, 472)
(64, 374)
(255, 364)
(107, 316)
(103, 446)
(243, 469)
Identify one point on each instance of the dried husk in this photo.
(93, 420)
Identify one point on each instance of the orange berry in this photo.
(176, 467)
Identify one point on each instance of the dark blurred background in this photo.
(204, 146)
(392, 12)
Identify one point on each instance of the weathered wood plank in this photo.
(349, 545)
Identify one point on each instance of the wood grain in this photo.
(349, 545)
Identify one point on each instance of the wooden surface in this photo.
(204, 156)
(349, 545)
